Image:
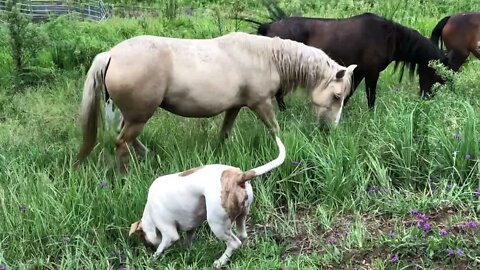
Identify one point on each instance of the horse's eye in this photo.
(336, 97)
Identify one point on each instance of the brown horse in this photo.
(204, 77)
(367, 40)
(461, 35)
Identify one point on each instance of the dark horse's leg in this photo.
(457, 58)
(281, 103)
(476, 50)
(371, 88)
(357, 78)
(230, 116)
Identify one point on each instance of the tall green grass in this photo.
(333, 203)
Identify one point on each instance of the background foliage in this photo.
(341, 200)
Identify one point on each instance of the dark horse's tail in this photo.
(436, 36)
(275, 14)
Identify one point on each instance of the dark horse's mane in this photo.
(410, 48)
(413, 49)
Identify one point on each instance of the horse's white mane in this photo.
(297, 63)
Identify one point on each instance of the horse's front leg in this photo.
(264, 110)
(230, 116)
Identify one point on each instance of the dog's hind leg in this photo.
(223, 230)
(169, 236)
(240, 224)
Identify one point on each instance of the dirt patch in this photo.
(310, 237)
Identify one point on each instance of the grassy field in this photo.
(393, 188)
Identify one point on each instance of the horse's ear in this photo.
(351, 68)
(340, 74)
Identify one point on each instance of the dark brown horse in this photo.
(367, 40)
(461, 35)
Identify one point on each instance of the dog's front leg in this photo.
(169, 237)
(189, 235)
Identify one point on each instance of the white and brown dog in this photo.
(220, 194)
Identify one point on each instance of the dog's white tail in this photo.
(274, 163)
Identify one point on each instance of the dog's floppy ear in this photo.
(135, 227)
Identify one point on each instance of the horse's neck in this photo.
(411, 48)
(297, 66)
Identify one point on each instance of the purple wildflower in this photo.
(103, 184)
(392, 235)
(420, 222)
(473, 224)
(66, 239)
(23, 209)
(450, 251)
(468, 156)
(372, 190)
(296, 163)
(385, 190)
(443, 232)
(331, 241)
(394, 258)
(3, 267)
(426, 227)
(414, 211)
(477, 193)
(460, 251)
(123, 268)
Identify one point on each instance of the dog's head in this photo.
(136, 228)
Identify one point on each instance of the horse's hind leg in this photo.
(265, 111)
(371, 88)
(140, 149)
(125, 139)
(281, 103)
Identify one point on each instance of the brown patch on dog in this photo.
(233, 193)
(247, 176)
(190, 171)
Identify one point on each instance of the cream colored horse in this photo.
(203, 78)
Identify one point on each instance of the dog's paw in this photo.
(217, 264)
(156, 255)
(242, 238)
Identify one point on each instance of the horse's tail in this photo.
(436, 36)
(267, 167)
(89, 113)
(275, 14)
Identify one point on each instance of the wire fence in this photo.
(39, 10)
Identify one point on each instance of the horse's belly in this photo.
(194, 109)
